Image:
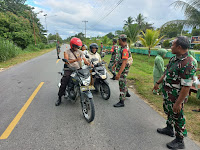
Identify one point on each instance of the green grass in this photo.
(141, 75)
(23, 56)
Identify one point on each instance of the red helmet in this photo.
(75, 41)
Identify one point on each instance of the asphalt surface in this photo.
(45, 126)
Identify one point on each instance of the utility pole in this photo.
(85, 27)
(46, 26)
(31, 18)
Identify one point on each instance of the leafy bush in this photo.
(8, 50)
(197, 46)
(166, 44)
(41, 46)
(32, 47)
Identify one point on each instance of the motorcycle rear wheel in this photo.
(88, 110)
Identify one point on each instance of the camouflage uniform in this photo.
(58, 49)
(114, 51)
(179, 73)
(124, 53)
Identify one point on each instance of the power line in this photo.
(101, 10)
(119, 2)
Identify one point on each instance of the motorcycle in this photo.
(78, 86)
(99, 73)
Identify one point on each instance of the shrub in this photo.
(32, 47)
(197, 46)
(166, 44)
(41, 46)
(8, 50)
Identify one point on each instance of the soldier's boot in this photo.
(58, 101)
(167, 130)
(128, 94)
(177, 143)
(119, 104)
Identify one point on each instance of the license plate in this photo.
(87, 88)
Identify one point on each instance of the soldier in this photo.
(101, 49)
(176, 81)
(114, 51)
(122, 67)
(58, 49)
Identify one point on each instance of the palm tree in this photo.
(128, 22)
(132, 32)
(140, 20)
(147, 26)
(150, 39)
(191, 11)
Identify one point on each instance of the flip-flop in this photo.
(198, 110)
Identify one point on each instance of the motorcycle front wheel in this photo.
(105, 91)
(88, 109)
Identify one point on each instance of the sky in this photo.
(66, 16)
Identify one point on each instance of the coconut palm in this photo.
(128, 22)
(140, 20)
(132, 32)
(150, 39)
(191, 11)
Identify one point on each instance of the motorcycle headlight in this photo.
(86, 82)
(103, 77)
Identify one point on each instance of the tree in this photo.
(132, 31)
(191, 12)
(110, 35)
(147, 26)
(118, 32)
(129, 21)
(140, 20)
(105, 41)
(171, 30)
(195, 32)
(150, 39)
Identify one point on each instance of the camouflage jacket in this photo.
(114, 51)
(179, 73)
(123, 53)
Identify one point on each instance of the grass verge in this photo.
(23, 56)
(141, 77)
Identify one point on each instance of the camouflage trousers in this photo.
(178, 120)
(122, 85)
(110, 67)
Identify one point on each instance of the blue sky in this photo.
(66, 16)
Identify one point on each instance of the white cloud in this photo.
(70, 14)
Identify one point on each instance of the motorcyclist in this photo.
(84, 49)
(93, 53)
(74, 57)
(85, 52)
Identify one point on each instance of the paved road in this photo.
(44, 126)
